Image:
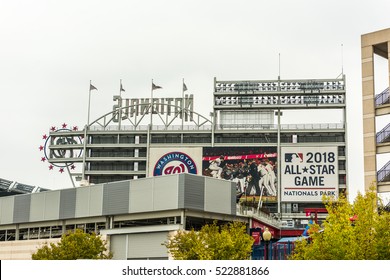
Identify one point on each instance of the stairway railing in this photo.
(382, 98)
(383, 175)
(383, 135)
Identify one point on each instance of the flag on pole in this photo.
(155, 87)
(122, 89)
(92, 87)
(184, 87)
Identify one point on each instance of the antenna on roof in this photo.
(279, 68)
(342, 61)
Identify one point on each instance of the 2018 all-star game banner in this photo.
(308, 173)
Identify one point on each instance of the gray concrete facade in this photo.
(184, 191)
(136, 217)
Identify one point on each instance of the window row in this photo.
(118, 139)
(117, 166)
(48, 231)
(118, 153)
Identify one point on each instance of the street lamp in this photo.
(266, 237)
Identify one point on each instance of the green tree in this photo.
(212, 242)
(73, 246)
(355, 231)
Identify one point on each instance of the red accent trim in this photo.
(309, 188)
(240, 157)
(308, 211)
(291, 232)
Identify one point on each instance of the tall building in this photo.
(376, 103)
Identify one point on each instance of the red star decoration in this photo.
(64, 125)
(50, 167)
(43, 159)
(75, 128)
(53, 128)
(61, 170)
(44, 137)
(72, 167)
(41, 148)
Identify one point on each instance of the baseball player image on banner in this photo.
(253, 169)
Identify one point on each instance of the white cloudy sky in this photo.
(51, 49)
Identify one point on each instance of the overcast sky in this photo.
(50, 50)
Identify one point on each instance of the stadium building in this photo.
(243, 162)
(296, 163)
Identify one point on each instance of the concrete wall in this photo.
(136, 196)
(21, 250)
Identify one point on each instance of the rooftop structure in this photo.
(8, 187)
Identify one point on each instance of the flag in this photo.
(92, 87)
(184, 87)
(155, 87)
(122, 89)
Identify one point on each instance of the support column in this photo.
(369, 132)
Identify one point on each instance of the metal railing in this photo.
(383, 135)
(383, 98)
(117, 127)
(313, 126)
(220, 127)
(245, 126)
(383, 175)
(258, 214)
(274, 251)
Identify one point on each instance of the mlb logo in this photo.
(293, 157)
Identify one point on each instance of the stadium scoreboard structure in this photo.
(286, 167)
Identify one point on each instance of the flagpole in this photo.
(85, 132)
(149, 132)
(89, 101)
(120, 109)
(120, 87)
(182, 105)
(151, 107)
(151, 103)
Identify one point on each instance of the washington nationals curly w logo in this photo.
(175, 163)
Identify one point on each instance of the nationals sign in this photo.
(174, 163)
